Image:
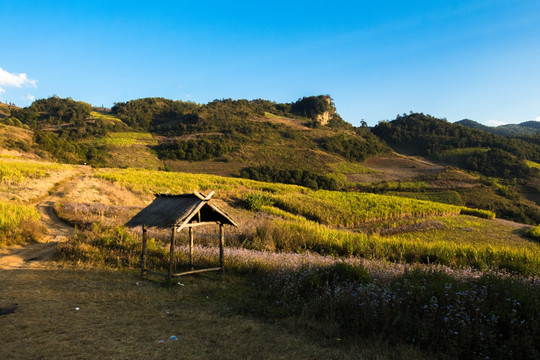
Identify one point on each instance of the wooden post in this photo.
(171, 256)
(143, 253)
(191, 248)
(221, 245)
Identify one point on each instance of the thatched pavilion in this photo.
(177, 212)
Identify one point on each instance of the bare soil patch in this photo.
(292, 123)
(398, 167)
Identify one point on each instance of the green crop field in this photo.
(148, 181)
(351, 209)
(445, 197)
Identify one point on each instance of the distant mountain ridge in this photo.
(525, 128)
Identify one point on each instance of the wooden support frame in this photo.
(143, 253)
(170, 275)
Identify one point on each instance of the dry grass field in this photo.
(121, 317)
(82, 308)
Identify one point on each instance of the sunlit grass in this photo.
(532, 164)
(533, 233)
(148, 181)
(17, 171)
(352, 209)
(445, 197)
(100, 116)
(124, 139)
(18, 223)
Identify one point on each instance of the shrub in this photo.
(256, 201)
(533, 233)
(484, 214)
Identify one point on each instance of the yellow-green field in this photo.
(14, 171)
(532, 164)
(100, 116)
(125, 139)
(321, 257)
(311, 220)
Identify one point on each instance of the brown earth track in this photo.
(36, 254)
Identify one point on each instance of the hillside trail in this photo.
(35, 255)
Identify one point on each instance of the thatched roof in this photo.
(168, 211)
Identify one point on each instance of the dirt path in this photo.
(36, 254)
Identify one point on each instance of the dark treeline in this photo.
(194, 150)
(428, 135)
(68, 118)
(53, 111)
(355, 148)
(312, 106)
(163, 115)
(294, 176)
(67, 151)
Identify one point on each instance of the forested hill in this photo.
(527, 128)
(257, 138)
(294, 142)
(486, 153)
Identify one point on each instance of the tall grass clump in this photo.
(533, 233)
(484, 214)
(18, 224)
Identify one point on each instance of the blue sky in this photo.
(454, 59)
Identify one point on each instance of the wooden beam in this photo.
(191, 248)
(221, 246)
(143, 253)
(201, 223)
(196, 271)
(171, 255)
(202, 197)
(156, 273)
(190, 225)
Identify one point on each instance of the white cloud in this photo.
(29, 97)
(14, 80)
(496, 123)
(188, 96)
(538, 118)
